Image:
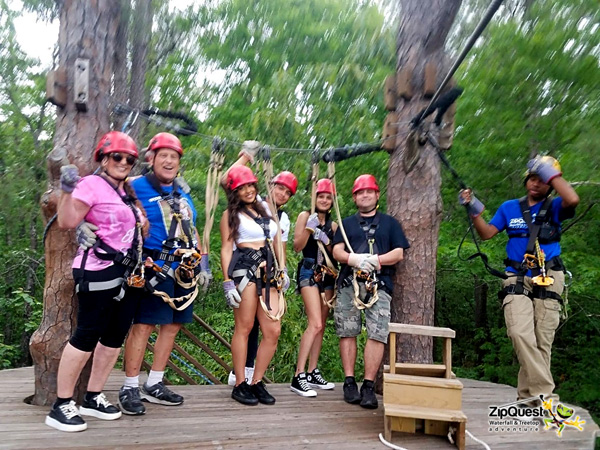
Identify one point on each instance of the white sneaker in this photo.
(231, 379)
(248, 373)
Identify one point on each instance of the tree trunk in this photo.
(414, 196)
(87, 30)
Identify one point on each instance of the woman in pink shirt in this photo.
(106, 302)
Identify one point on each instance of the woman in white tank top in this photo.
(246, 224)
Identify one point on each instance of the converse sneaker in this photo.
(367, 395)
(248, 373)
(316, 381)
(300, 386)
(260, 392)
(66, 417)
(160, 394)
(351, 394)
(130, 401)
(98, 406)
(243, 394)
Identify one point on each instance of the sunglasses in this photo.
(117, 157)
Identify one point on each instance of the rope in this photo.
(472, 39)
(215, 169)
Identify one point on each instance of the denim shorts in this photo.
(306, 276)
(154, 311)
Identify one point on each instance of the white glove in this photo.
(374, 260)
(231, 294)
(361, 261)
(286, 280)
(85, 236)
(250, 149)
(205, 275)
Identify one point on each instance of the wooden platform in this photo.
(210, 419)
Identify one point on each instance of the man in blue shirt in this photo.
(535, 274)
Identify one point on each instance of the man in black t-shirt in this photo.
(378, 243)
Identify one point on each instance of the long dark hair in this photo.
(235, 206)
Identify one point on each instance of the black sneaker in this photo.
(367, 393)
(260, 392)
(316, 381)
(351, 394)
(130, 401)
(300, 386)
(98, 406)
(243, 394)
(160, 394)
(66, 418)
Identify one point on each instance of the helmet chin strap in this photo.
(371, 210)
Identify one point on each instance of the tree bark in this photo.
(87, 30)
(414, 196)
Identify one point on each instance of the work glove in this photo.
(286, 280)
(474, 206)
(374, 259)
(320, 235)
(69, 176)
(544, 169)
(360, 261)
(250, 149)
(85, 236)
(205, 276)
(313, 222)
(231, 294)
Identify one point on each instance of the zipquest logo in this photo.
(516, 417)
(516, 410)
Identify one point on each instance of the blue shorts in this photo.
(306, 276)
(154, 311)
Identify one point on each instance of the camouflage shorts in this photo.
(348, 320)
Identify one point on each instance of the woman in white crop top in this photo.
(245, 223)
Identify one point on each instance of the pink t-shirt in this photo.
(114, 219)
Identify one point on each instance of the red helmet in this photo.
(365, 182)
(113, 142)
(165, 140)
(325, 185)
(287, 179)
(238, 176)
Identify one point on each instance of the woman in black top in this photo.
(316, 282)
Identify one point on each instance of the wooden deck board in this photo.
(209, 419)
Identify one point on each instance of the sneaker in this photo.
(243, 394)
(130, 401)
(160, 394)
(260, 392)
(300, 386)
(66, 418)
(249, 373)
(99, 407)
(367, 393)
(316, 381)
(231, 379)
(351, 394)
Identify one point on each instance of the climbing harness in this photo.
(372, 294)
(130, 260)
(175, 247)
(320, 270)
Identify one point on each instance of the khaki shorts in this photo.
(348, 321)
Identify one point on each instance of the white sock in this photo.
(132, 382)
(154, 377)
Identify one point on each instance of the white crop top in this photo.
(250, 231)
